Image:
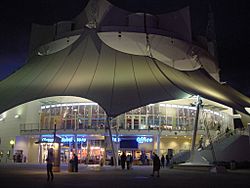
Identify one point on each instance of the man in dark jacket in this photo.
(156, 165)
(123, 160)
(75, 163)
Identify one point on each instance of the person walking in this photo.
(156, 165)
(75, 162)
(162, 161)
(50, 161)
(128, 161)
(123, 160)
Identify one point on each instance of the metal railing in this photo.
(35, 127)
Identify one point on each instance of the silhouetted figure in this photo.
(112, 161)
(218, 130)
(156, 165)
(162, 161)
(123, 160)
(24, 159)
(167, 160)
(50, 160)
(201, 143)
(128, 161)
(131, 161)
(75, 162)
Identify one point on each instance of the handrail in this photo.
(31, 126)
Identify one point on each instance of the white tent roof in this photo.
(118, 82)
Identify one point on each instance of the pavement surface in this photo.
(34, 176)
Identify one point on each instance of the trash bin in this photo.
(70, 166)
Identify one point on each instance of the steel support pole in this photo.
(117, 145)
(111, 141)
(198, 105)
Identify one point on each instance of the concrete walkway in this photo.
(34, 176)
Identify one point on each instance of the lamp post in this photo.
(12, 143)
(75, 128)
(75, 111)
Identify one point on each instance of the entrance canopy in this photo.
(117, 81)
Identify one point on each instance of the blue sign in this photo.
(114, 139)
(64, 138)
(50, 140)
(143, 139)
(139, 139)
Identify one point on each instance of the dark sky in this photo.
(231, 25)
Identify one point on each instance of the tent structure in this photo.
(89, 68)
(117, 81)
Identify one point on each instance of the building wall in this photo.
(33, 151)
(10, 128)
(30, 115)
(176, 143)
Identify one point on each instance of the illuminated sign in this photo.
(64, 138)
(143, 139)
(114, 139)
(47, 139)
(139, 139)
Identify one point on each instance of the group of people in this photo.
(19, 158)
(128, 160)
(125, 161)
(157, 163)
(165, 161)
(50, 162)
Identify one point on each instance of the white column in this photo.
(76, 145)
(158, 143)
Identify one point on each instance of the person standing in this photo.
(50, 161)
(167, 160)
(128, 161)
(131, 161)
(123, 160)
(75, 162)
(162, 161)
(156, 165)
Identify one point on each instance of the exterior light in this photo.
(12, 142)
(17, 116)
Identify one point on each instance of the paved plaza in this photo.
(27, 175)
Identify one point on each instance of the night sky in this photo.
(231, 26)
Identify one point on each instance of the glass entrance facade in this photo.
(151, 117)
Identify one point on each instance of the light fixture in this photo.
(12, 142)
(17, 116)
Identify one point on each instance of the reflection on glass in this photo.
(153, 116)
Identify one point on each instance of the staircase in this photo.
(181, 157)
(227, 147)
(231, 147)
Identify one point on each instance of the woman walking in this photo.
(50, 161)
